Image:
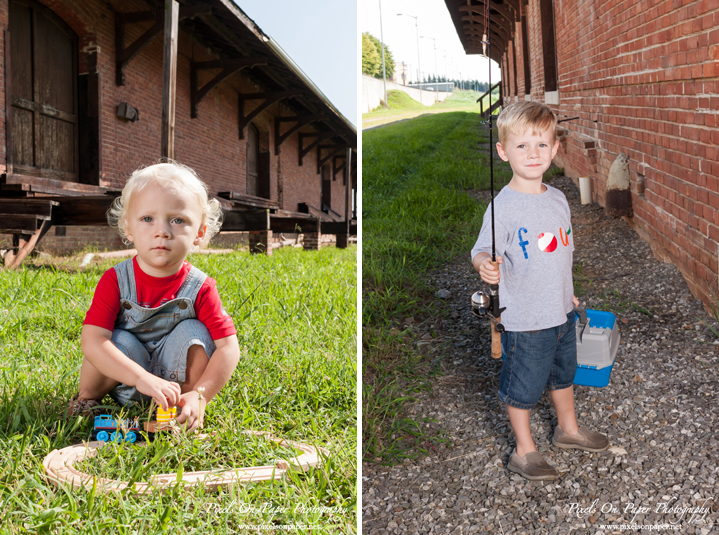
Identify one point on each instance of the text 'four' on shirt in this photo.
(546, 241)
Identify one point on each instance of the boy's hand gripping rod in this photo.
(483, 304)
(488, 305)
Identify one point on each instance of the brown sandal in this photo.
(77, 406)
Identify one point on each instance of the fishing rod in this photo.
(483, 304)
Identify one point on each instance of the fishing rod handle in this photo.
(496, 335)
(496, 339)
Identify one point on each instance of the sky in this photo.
(400, 36)
(321, 37)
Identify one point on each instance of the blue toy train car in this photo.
(108, 428)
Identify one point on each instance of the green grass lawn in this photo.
(295, 313)
(415, 217)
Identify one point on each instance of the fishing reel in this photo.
(488, 305)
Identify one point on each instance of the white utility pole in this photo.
(419, 65)
(381, 38)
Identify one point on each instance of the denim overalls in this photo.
(158, 338)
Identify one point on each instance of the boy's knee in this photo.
(191, 335)
(191, 326)
(126, 342)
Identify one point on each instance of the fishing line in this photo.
(491, 140)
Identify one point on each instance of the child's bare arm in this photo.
(219, 370)
(482, 262)
(97, 347)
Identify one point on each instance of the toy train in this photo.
(114, 429)
(107, 428)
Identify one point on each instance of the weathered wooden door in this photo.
(43, 93)
(253, 154)
(326, 189)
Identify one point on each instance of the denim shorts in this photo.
(168, 361)
(535, 359)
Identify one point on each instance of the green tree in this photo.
(388, 59)
(371, 59)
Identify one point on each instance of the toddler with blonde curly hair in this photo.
(156, 328)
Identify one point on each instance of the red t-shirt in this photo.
(153, 292)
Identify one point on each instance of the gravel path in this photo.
(660, 411)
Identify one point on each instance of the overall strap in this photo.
(193, 282)
(126, 280)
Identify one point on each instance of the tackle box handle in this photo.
(582, 312)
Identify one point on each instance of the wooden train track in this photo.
(59, 469)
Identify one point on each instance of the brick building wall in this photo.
(209, 144)
(642, 77)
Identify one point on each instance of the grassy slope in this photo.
(399, 100)
(457, 101)
(296, 318)
(415, 217)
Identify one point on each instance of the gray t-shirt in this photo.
(533, 235)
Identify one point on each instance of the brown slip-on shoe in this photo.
(583, 440)
(532, 466)
(81, 406)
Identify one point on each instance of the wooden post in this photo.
(343, 238)
(169, 78)
(8, 106)
(348, 197)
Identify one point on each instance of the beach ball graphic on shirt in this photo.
(547, 242)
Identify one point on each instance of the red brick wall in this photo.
(642, 77)
(209, 144)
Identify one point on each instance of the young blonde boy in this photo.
(534, 245)
(156, 328)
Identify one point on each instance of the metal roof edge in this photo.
(275, 47)
(279, 51)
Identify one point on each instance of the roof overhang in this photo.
(231, 34)
(468, 19)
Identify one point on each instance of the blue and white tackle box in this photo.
(597, 345)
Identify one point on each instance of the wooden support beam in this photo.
(233, 39)
(190, 12)
(348, 192)
(497, 32)
(7, 71)
(301, 120)
(294, 224)
(38, 207)
(136, 16)
(320, 138)
(229, 67)
(124, 55)
(507, 16)
(280, 221)
(475, 42)
(237, 220)
(249, 200)
(34, 184)
(169, 78)
(13, 261)
(339, 227)
(269, 97)
(337, 168)
(20, 223)
(335, 149)
(82, 211)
